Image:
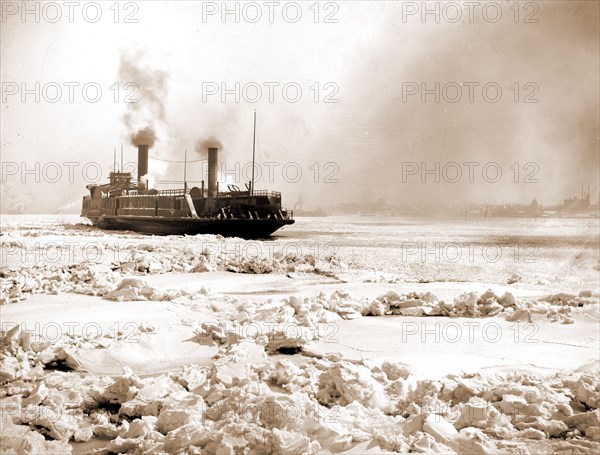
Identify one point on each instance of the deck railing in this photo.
(245, 194)
(134, 193)
(182, 192)
(177, 192)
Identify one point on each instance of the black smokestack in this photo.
(142, 161)
(213, 162)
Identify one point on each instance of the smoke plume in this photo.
(145, 136)
(557, 132)
(146, 107)
(210, 142)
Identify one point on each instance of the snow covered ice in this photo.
(308, 343)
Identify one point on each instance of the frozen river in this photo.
(562, 251)
(378, 333)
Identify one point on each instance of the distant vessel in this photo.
(309, 213)
(123, 204)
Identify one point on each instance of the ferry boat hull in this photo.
(243, 228)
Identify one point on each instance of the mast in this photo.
(253, 155)
(185, 172)
(115, 160)
(121, 164)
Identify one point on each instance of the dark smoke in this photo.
(152, 90)
(559, 133)
(145, 136)
(203, 144)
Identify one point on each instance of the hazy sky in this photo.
(374, 61)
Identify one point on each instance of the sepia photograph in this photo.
(300, 227)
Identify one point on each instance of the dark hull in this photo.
(248, 229)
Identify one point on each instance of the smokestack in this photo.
(213, 162)
(142, 161)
